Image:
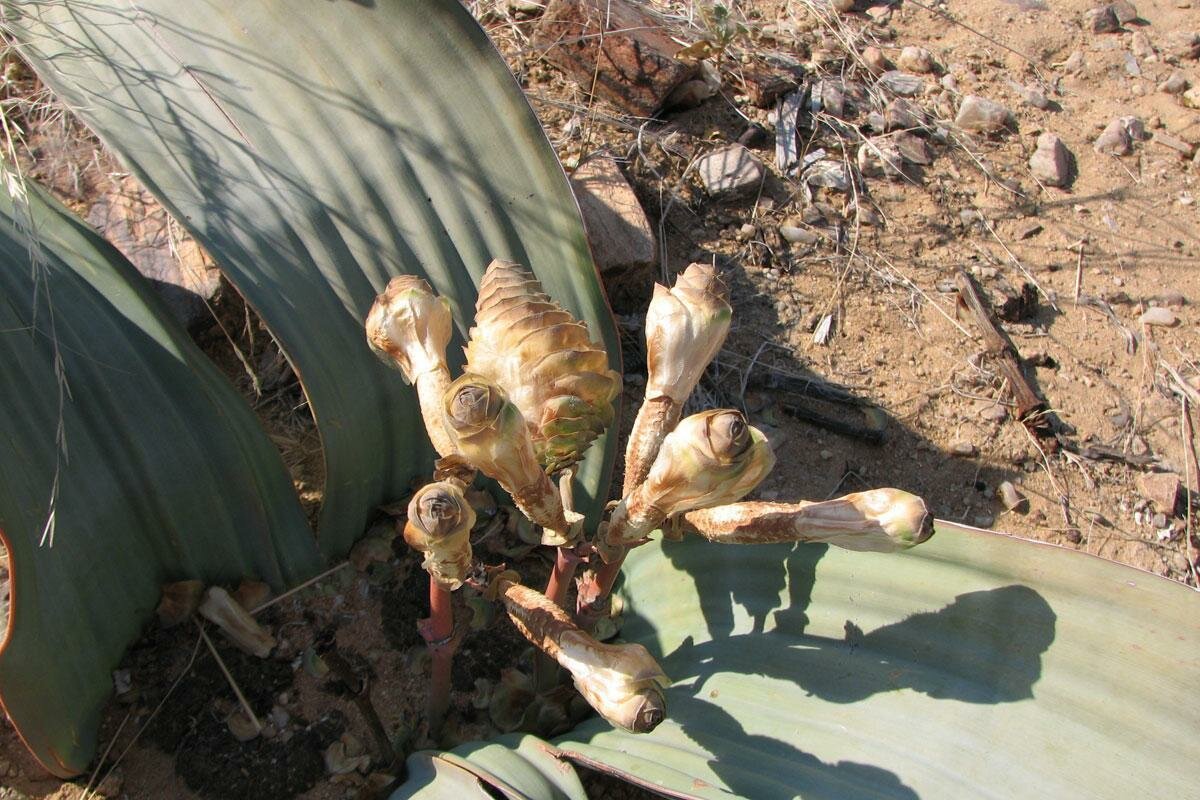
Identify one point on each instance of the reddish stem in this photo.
(593, 599)
(438, 632)
(565, 563)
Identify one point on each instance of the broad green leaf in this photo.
(163, 474)
(516, 766)
(316, 149)
(975, 665)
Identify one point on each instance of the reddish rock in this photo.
(620, 48)
(617, 228)
(1160, 488)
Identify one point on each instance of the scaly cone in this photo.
(439, 526)
(710, 459)
(491, 433)
(879, 520)
(685, 328)
(545, 361)
(622, 682)
(410, 326)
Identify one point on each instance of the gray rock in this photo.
(916, 59)
(1182, 45)
(902, 114)
(794, 234)
(977, 113)
(1051, 161)
(965, 449)
(1124, 11)
(1135, 128)
(913, 149)
(1032, 95)
(902, 83)
(1158, 316)
(1102, 20)
(1176, 84)
(1139, 45)
(1114, 140)
(879, 157)
(1133, 69)
(875, 61)
(828, 174)
(730, 171)
(617, 228)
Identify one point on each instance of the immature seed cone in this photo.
(879, 520)
(410, 326)
(622, 682)
(685, 328)
(439, 526)
(545, 361)
(491, 433)
(710, 459)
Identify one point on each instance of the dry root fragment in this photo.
(880, 520)
(685, 328)
(235, 622)
(410, 326)
(710, 459)
(545, 361)
(491, 433)
(622, 682)
(439, 526)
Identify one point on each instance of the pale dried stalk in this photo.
(439, 526)
(879, 520)
(491, 433)
(235, 622)
(545, 361)
(685, 328)
(410, 326)
(710, 459)
(622, 682)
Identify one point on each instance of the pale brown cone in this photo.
(439, 526)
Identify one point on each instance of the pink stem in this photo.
(438, 632)
(565, 563)
(592, 601)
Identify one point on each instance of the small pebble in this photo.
(1176, 84)
(966, 449)
(1162, 317)
(916, 59)
(984, 521)
(1012, 499)
(798, 235)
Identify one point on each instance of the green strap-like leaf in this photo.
(975, 665)
(316, 149)
(163, 474)
(516, 766)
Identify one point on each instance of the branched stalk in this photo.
(880, 520)
(622, 682)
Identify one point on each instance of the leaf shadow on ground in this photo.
(983, 647)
